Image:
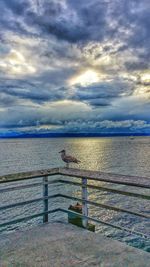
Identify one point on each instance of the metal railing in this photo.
(130, 181)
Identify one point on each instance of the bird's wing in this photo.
(73, 159)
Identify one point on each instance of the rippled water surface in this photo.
(117, 155)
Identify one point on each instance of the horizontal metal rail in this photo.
(20, 187)
(28, 175)
(27, 218)
(79, 173)
(139, 182)
(107, 177)
(110, 207)
(105, 223)
(27, 202)
(75, 213)
(102, 188)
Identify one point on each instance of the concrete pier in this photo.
(66, 245)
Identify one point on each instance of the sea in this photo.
(120, 155)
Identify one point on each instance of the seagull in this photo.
(68, 159)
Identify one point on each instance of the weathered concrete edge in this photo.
(64, 235)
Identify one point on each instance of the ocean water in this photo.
(120, 155)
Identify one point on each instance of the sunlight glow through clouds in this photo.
(145, 77)
(69, 105)
(86, 78)
(17, 64)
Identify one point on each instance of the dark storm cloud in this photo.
(133, 21)
(96, 95)
(81, 21)
(25, 90)
(133, 66)
(17, 7)
(27, 116)
(71, 22)
(128, 108)
(76, 21)
(139, 17)
(9, 12)
(99, 102)
(55, 77)
(7, 100)
(102, 94)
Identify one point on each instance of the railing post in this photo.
(84, 204)
(45, 201)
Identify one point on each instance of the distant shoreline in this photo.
(74, 135)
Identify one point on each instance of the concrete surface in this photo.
(66, 245)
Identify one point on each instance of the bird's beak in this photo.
(61, 151)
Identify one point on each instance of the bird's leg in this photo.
(67, 165)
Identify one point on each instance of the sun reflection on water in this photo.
(91, 152)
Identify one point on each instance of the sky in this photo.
(74, 66)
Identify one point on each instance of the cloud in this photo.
(103, 93)
(47, 44)
(56, 113)
(63, 19)
(69, 22)
(100, 126)
(16, 7)
(29, 91)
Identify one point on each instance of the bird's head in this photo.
(62, 151)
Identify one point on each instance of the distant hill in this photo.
(57, 135)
